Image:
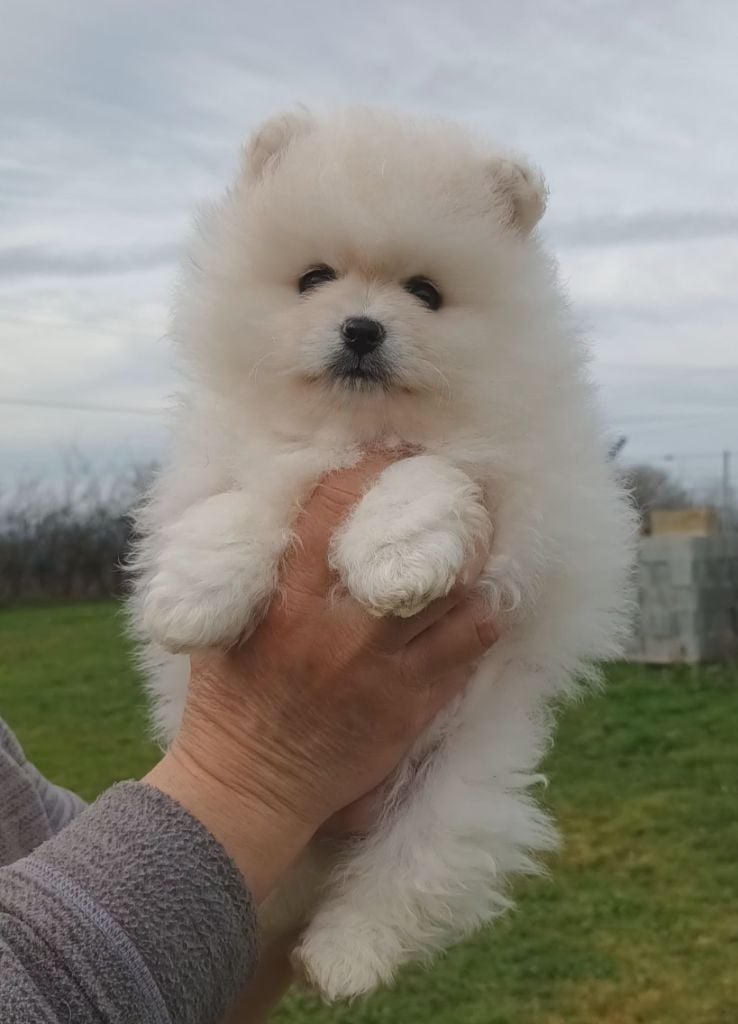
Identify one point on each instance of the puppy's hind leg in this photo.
(462, 822)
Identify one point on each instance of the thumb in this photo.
(325, 510)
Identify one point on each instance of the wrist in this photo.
(262, 836)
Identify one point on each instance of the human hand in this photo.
(320, 704)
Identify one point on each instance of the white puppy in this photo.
(373, 280)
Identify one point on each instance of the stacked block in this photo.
(687, 599)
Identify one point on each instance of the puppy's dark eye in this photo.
(316, 276)
(425, 291)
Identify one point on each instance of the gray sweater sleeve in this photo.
(133, 913)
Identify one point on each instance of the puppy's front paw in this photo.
(348, 959)
(212, 577)
(401, 578)
(182, 614)
(409, 538)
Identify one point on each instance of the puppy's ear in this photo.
(519, 192)
(268, 143)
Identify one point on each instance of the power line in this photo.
(40, 403)
(663, 417)
(675, 456)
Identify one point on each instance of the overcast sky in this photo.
(117, 117)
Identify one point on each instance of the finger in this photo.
(445, 690)
(461, 638)
(359, 817)
(327, 507)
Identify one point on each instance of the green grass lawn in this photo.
(638, 922)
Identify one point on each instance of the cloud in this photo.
(653, 226)
(37, 261)
(681, 417)
(118, 118)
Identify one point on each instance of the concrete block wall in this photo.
(688, 599)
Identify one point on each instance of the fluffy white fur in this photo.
(492, 393)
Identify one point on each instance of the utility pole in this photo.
(725, 493)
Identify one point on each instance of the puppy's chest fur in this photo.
(289, 465)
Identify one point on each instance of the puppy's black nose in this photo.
(361, 334)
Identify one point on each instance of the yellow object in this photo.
(696, 522)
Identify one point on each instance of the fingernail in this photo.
(488, 633)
